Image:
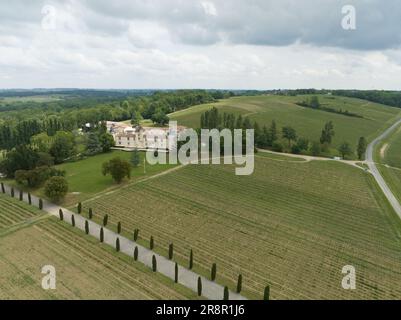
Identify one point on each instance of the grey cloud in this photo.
(266, 22)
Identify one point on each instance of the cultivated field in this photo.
(15, 212)
(85, 269)
(388, 155)
(292, 225)
(392, 154)
(307, 122)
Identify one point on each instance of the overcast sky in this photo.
(250, 44)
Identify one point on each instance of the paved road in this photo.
(375, 172)
(189, 279)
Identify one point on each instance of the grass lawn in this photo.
(307, 122)
(292, 225)
(85, 178)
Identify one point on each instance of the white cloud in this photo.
(193, 44)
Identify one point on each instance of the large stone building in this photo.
(126, 136)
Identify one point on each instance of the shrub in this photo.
(105, 219)
(191, 259)
(40, 204)
(239, 283)
(56, 188)
(154, 263)
(3, 190)
(136, 253)
(119, 227)
(315, 148)
(170, 251)
(199, 286)
(117, 168)
(101, 236)
(213, 272)
(136, 234)
(60, 213)
(73, 220)
(86, 227)
(151, 243)
(29, 198)
(226, 293)
(295, 149)
(12, 192)
(90, 214)
(277, 147)
(79, 208)
(267, 293)
(21, 195)
(117, 244)
(176, 273)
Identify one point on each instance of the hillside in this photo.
(85, 269)
(292, 224)
(307, 122)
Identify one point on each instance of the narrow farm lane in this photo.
(188, 278)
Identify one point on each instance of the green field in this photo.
(292, 225)
(85, 178)
(307, 122)
(392, 153)
(85, 269)
(388, 156)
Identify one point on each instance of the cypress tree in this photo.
(101, 234)
(154, 263)
(117, 244)
(136, 253)
(29, 198)
(40, 204)
(90, 214)
(151, 243)
(239, 283)
(86, 227)
(176, 273)
(79, 208)
(12, 192)
(105, 219)
(119, 227)
(73, 220)
(136, 233)
(21, 195)
(3, 190)
(60, 212)
(191, 259)
(226, 293)
(199, 286)
(213, 272)
(170, 251)
(267, 293)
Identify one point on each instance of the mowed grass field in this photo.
(85, 269)
(13, 213)
(307, 122)
(85, 178)
(292, 225)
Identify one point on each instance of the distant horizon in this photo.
(178, 89)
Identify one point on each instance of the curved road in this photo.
(375, 172)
